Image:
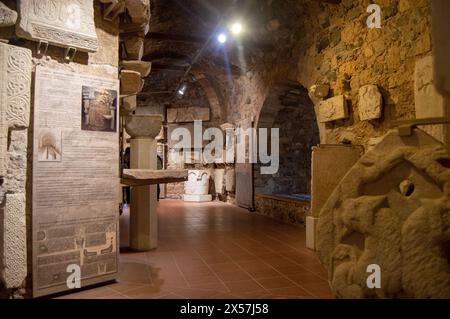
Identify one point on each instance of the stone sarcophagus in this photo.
(197, 186)
(390, 212)
(63, 23)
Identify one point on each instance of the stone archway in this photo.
(289, 108)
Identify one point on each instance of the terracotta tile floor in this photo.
(216, 250)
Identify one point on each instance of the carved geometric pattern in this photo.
(64, 23)
(15, 84)
(15, 241)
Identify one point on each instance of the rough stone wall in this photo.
(318, 43)
(286, 210)
(292, 112)
(104, 63)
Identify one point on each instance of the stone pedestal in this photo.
(143, 214)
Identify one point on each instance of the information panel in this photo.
(75, 180)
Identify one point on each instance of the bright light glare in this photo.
(236, 28)
(222, 38)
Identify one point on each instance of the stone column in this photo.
(143, 215)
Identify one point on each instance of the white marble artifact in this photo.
(333, 109)
(196, 188)
(8, 17)
(15, 87)
(429, 102)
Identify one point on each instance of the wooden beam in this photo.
(193, 39)
(177, 68)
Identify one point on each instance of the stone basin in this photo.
(143, 125)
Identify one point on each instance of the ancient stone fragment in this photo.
(391, 210)
(134, 46)
(333, 109)
(63, 23)
(189, 114)
(143, 67)
(320, 91)
(15, 84)
(139, 10)
(8, 17)
(370, 103)
(129, 103)
(428, 101)
(15, 241)
(130, 82)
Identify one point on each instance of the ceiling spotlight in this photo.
(236, 28)
(181, 91)
(222, 38)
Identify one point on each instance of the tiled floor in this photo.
(216, 250)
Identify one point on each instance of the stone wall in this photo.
(283, 208)
(292, 111)
(318, 43)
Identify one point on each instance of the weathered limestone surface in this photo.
(130, 82)
(139, 10)
(15, 85)
(371, 218)
(333, 109)
(189, 114)
(219, 179)
(63, 23)
(8, 17)
(144, 220)
(370, 103)
(143, 126)
(230, 180)
(129, 103)
(143, 67)
(429, 102)
(134, 46)
(148, 175)
(15, 241)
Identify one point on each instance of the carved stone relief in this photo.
(15, 84)
(64, 23)
(391, 210)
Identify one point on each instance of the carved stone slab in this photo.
(64, 23)
(15, 85)
(189, 114)
(8, 17)
(390, 210)
(370, 103)
(15, 241)
(333, 109)
(429, 102)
